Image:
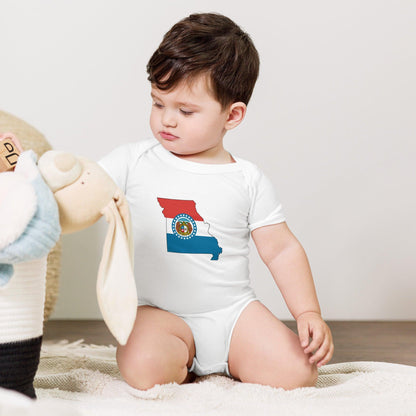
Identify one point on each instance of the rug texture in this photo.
(77, 379)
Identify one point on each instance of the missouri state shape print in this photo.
(186, 230)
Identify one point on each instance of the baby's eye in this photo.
(157, 105)
(186, 113)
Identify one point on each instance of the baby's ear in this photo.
(236, 114)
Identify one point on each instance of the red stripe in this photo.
(173, 207)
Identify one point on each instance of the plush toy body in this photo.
(30, 227)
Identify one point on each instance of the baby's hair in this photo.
(207, 44)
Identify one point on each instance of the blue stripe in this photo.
(195, 245)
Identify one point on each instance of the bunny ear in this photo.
(116, 288)
(123, 209)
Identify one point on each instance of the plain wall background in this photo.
(332, 122)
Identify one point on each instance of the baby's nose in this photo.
(169, 118)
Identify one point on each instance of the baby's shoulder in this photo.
(251, 171)
(256, 180)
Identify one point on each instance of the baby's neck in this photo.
(218, 159)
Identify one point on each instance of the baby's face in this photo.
(189, 122)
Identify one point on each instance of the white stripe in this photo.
(202, 228)
(22, 301)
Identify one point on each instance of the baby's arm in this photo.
(286, 259)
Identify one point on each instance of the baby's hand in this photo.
(311, 325)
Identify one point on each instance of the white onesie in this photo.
(191, 226)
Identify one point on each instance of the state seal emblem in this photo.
(184, 226)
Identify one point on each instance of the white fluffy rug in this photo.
(77, 379)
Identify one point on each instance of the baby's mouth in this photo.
(168, 136)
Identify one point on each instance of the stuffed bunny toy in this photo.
(37, 201)
(84, 192)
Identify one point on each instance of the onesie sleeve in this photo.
(116, 164)
(265, 207)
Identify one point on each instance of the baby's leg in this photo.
(159, 350)
(265, 351)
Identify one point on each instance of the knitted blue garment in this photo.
(42, 232)
(6, 272)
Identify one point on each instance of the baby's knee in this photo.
(307, 375)
(145, 369)
(299, 373)
(139, 370)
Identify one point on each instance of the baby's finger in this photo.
(317, 340)
(320, 353)
(327, 357)
(303, 331)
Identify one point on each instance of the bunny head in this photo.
(84, 192)
(81, 188)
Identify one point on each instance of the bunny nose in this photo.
(65, 161)
(59, 169)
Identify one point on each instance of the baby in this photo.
(194, 207)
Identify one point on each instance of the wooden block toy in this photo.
(10, 149)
